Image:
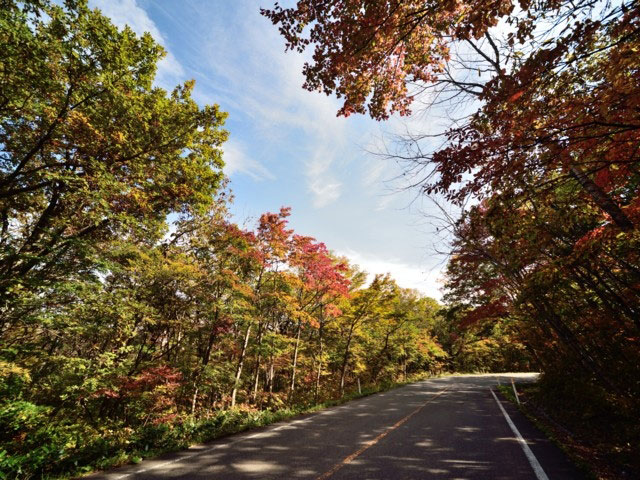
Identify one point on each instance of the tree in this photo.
(224, 260)
(90, 150)
(368, 52)
(368, 304)
(401, 341)
(270, 250)
(567, 114)
(564, 281)
(560, 97)
(321, 282)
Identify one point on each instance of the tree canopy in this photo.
(137, 316)
(90, 149)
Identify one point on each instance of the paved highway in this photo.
(446, 428)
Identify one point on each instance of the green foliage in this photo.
(489, 346)
(91, 150)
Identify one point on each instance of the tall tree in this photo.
(559, 92)
(369, 304)
(90, 150)
(272, 243)
(321, 281)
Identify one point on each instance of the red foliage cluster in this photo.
(151, 378)
(272, 236)
(319, 271)
(491, 311)
(147, 380)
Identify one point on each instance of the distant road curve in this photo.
(446, 428)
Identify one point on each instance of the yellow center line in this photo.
(370, 443)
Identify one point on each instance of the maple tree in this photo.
(561, 96)
(321, 282)
(368, 52)
(371, 52)
(562, 115)
(568, 281)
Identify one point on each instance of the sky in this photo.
(287, 147)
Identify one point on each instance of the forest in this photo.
(136, 316)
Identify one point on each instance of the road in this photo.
(446, 428)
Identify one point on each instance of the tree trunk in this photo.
(204, 360)
(601, 199)
(378, 364)
(256, 377)
(569, 339)
(271, 374)
(319, 371)
(194, 399)
(345, 360)
(292, 386)
(240, 363)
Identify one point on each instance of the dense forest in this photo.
(135, 315)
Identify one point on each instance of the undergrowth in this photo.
(59, 451)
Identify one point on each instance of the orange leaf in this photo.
(516, 96)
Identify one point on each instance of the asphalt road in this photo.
(446, 428)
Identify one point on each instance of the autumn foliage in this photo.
(122, 331)
(541, 157)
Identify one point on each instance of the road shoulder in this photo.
(553, 460)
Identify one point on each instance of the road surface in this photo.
(446, 428)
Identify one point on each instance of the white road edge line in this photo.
(537, 468)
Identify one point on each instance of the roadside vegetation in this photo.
(602, 442)
(541, 157)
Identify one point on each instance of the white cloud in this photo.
(374, 171)
(271, 94)
(127, 12)
(426, 281)
(324, 193)
(384, 201)
(237, 161)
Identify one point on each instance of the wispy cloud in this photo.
(237, 161)
(384, 201)
(128, 12)
(272, 96)
(324, 193)
(425, 280)
(374, 171)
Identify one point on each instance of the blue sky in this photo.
(287, 147)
